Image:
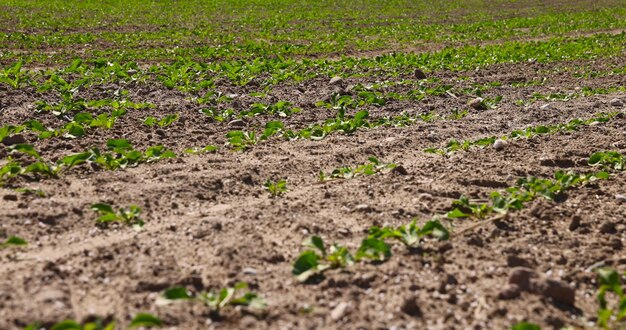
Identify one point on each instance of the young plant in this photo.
(374, 166)
(128, 216)
(12, 241)
(239, 295)
(611, 317)
(410, 234)
(316, 259)
(276, 188)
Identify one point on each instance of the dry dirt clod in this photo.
(616, 102)
(236, 123)
(575, 222)
(477, 103)
(556, 290)
(419, 74)
(410, 307)
(510, 292)
(335, 80)
(13, 140)
(400, 170)
(521, 277)
(499, 144)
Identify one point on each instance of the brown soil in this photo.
(209, 222)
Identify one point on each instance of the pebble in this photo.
(340, 311)
(410, 307)
(620, 197)
(477, 103)
(236, 123)
(249, 271)
(616, 102)
(13, 140)
(336, 80)
(499, 144)
(545, 106)
(362, 208)
(575, 222)
(419, 74)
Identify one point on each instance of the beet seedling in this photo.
(615, 317)
(276, 188)
(316, 259)
(13, 241)
(375, 166)
(217, 300)
(410, 234)
(608, 159)
(128, 216)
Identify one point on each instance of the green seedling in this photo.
(12, 241)
(163, 122)
(410, 234)
(128, 216)
(525, 326)
(611, 317)
(195, 150)
(239, 295)
(276, 188)
(145, 320)
(73, 325)
(608, 159)
(316, 259)
(374, 166)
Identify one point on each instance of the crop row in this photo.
(189, 75)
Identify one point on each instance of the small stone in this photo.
(339, 311)
(10, 197)
(499, 144)
(249, 271)
(608, 228)
(521, 277)
(620, 197)
(616, 102)
(362, 208)
(236, 123)
(400, 170)
(477, 103)
(336, 80)
(510, 292)
(13, 140)
(410, 307)
(557, 290)
(574, 222)
(131, 72)
(545, 106)
(515, 261)
(419, 74)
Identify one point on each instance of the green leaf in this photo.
(526, 326)
(306, 264)
(102, 207)
(435, 228)
(119, 145)
(373, 249)
(27, 149)
(14, 240)
(316, 242)
(176, 294)
(67, 325)
(145, 320)
(457, 213)
(595, 158)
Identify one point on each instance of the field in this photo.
(313, 164)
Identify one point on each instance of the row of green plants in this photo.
(527, 133)
(188, 75)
